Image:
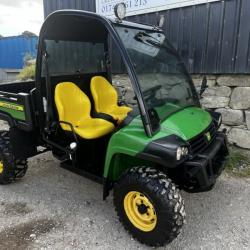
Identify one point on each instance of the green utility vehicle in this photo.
(145, 152)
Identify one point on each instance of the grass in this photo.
(238, 163)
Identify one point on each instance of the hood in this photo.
(187, 123)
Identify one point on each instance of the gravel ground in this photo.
(52, 208)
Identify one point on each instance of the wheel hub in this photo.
(143, 209)
(140, 211)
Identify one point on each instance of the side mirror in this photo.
(155, 120)
(203, 85)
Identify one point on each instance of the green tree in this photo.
(27, 73)
(28, 57)
(28, 33)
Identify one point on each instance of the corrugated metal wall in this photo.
(211, 38)
(14, 49)
(52, 5)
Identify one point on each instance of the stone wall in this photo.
(229, 95)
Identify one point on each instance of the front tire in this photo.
(149, 206)
(11, 168)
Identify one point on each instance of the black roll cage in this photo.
(108, 24)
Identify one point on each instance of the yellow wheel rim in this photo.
(140, 211)
(1, 167)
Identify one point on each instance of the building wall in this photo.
(230, 96)
(8, 75)
(3, 75)
(14, 49)
(212, 38)
(12, 76)
(53, 5)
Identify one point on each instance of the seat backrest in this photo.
(104, 94)
(72, 104)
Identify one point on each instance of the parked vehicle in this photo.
(146, 152)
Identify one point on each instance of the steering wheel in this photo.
(150, 96)
(151, 92)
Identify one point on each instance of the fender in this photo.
(7, 117)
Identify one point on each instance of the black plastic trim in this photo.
(68, 165)
(163, 151)
(24, 143)
(202, 165)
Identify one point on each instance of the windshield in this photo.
(164, 81)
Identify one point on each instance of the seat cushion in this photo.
(106, 99)
(74, 107)
(94, 128)
(119, 112)
(72, 104)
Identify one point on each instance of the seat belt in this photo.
(105, 117)
(49, 113)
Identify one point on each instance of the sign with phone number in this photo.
(136, 7)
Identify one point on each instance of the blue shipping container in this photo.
(14, 49)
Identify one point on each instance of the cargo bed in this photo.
(16, 104)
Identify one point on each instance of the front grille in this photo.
(200, 142)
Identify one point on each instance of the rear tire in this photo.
(149, 206)
(11, 169)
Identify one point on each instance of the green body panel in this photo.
(15, 110)
(131, 140)
(187, 123)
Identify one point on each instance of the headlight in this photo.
(180, 152)
(120, 11)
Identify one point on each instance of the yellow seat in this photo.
(74, 107)
(106, 99)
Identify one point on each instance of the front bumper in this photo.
(202, 171)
